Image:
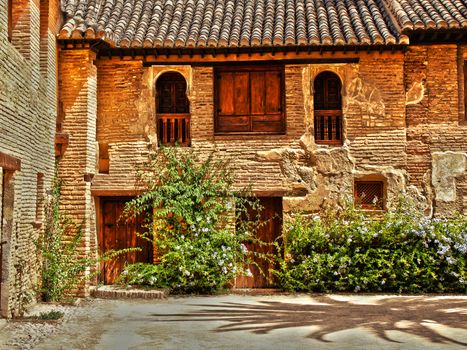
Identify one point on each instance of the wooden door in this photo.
(268, 232)
(117, 233)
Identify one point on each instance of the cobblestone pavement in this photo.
(252, 322)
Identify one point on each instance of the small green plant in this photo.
(190, 213)
(63, 266)
(51, 315)
(350, 251)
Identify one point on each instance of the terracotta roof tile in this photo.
(429, 14)
(254, 23)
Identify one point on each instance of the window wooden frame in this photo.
(173, 126)
(465, 92)
(272, 123)
(10, 20)
(328, 121)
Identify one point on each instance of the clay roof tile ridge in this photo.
(234, 40)
(258, 23)
(216, 26)
(176, 23)
(206, 23)
(335, 24)
(143, 25)
(268, 23)
(153, 26)
(184, 29)
(312, 23)
(166, 20)
(323, 23)
(226, 26)
(347, 29)
(300, 23)
(279, 24)
(246, 28)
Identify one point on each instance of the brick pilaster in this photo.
(77, 86)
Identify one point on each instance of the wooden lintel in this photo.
(114, 193)
(295, 192)
(9, 162)
(210, 59)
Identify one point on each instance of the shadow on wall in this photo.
(415, 316)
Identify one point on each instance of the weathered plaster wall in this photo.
(374, 135)
(436, 132)
(27, 129)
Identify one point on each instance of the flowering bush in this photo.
(188, 203)
(350, 251)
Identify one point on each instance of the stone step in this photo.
(114, 292)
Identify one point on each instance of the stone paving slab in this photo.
(266, 322)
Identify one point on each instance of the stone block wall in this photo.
(28, 104)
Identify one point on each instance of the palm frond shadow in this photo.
(332, 315)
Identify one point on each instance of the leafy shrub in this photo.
(350, 251)
(63, 266)
(188, 202)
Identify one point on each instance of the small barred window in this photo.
(369, 194)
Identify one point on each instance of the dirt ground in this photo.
(258, 322)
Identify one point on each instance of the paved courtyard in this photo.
(264, 322)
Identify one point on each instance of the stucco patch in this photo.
(415, 93)
(367, 98)
(446, 166)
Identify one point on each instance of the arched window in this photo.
(173, 110)
(328, 108)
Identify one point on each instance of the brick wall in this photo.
(27, 129)
(396, 115)
(374, 108)
(434, 123)
(77, 91)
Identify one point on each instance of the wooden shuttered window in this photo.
(250, 100)
(173, 110)
(327, 101)
(171, 94)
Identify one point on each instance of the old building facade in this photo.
(316, 102)
(28, 99)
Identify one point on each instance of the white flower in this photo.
(187, 273)
(248, 273)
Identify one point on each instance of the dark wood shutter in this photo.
(171, 94)
(249, 100)
(10, 20)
